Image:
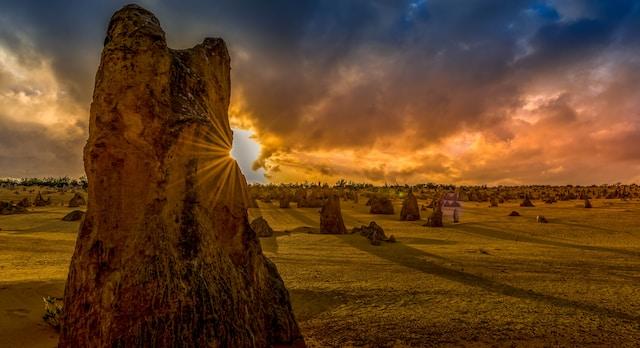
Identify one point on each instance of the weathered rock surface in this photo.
(165, 256)
(261, 227)
(526, 202)
(587, 203)
(381, 205)
(374, 233)
(76, 201)
(24, 203)
(315, 198)
(75, 215)
(456, 216)
(253, 203)
(40, 201)
(452, 204)
(331, 217)
(410, 210)
(8, 208)
(299, 196)
(285, 199)
(435, 219)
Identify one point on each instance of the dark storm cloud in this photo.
(68, 32)
(332, 75)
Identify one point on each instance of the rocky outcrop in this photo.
(75, 215)
(165, 256)
(253, 203)
(451, 204)
(299, 196)
(526, 202)
(40, 201)
(8, 208)
(285, 199)
(456, 216)
(410, 210)
(313, 199)
(435, 219)
(261, 227)
(24, 203)
(374, 233)
(331, 217)
(381, 205)
(76, 201)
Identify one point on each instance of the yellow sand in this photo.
(490, 280)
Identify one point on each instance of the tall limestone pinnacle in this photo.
(165, 256)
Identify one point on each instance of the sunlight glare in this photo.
(245, 151)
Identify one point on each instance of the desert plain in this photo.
(490, 280)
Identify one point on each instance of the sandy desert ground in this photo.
(491, 280)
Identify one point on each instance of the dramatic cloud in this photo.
(482, 91)
(42, 128)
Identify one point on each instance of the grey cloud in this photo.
(325, 75)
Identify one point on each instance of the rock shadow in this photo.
(407, 256)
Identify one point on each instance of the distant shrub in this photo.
(52, 182)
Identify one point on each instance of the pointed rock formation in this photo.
(410, 210)
(435, 219)
(331, 217)
(76, 201)
(261, 227)
(527, 202)
(40, 201)
(165, 256)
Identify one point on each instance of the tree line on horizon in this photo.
(54, 182)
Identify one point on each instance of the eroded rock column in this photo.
(165, 255)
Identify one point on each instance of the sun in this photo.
(245, 151)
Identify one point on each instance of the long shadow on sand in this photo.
(583, 226)
(306, 220)
(311, 303)
(416, 259)
(426, 241)
(480, 230)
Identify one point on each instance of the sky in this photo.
(448, 91)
